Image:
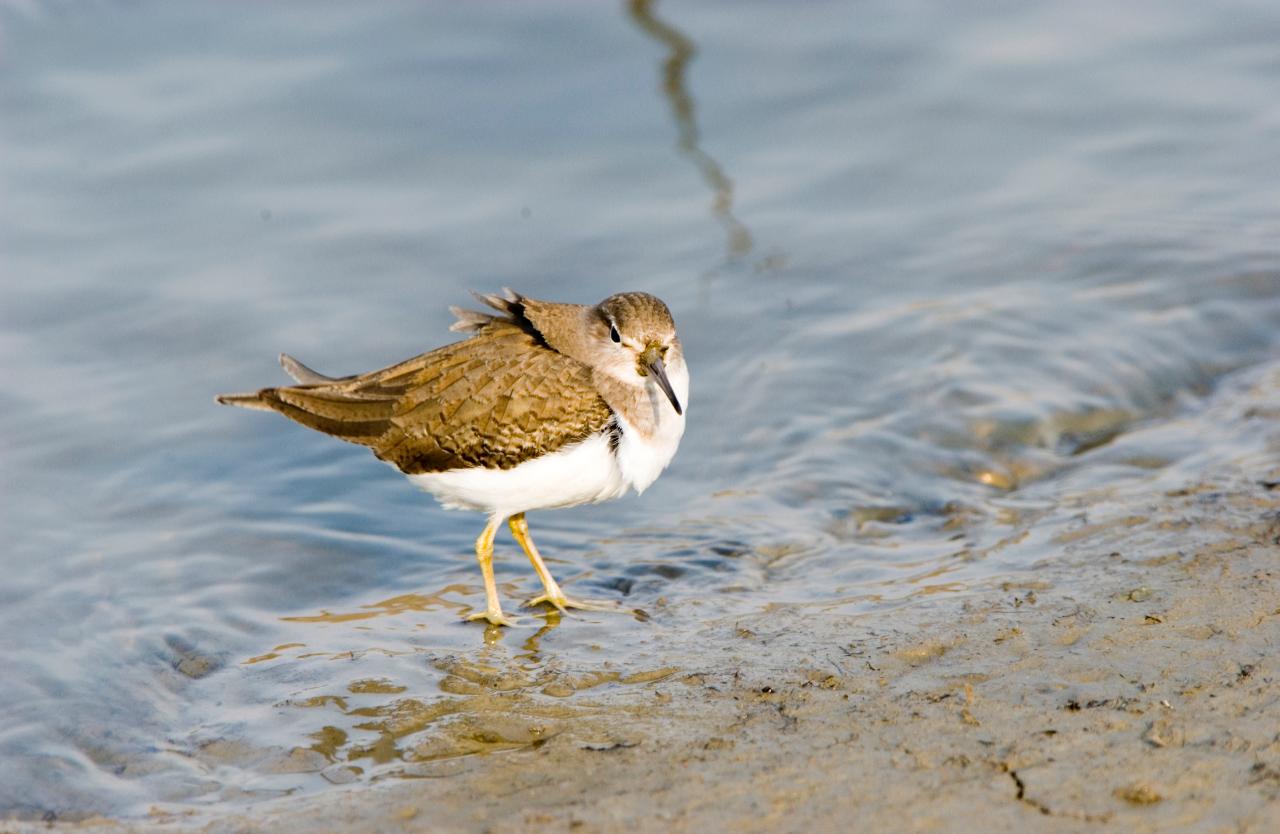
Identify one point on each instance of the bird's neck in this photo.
(642, 403)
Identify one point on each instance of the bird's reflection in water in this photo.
(497, 696)
(674, 67)
(493, 634)
(533, 644)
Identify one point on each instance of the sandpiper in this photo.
(544, 405)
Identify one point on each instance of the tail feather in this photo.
(253, 401)
(354, 421)
(354, 416)
(334, 404)
(301, 373)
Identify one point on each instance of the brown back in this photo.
(495, 400)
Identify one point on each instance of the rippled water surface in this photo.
(936, 270)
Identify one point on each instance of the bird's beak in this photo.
(652, 360)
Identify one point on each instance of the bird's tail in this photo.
(253, 401)
(262, 400)
(353, 416)
(301, 373)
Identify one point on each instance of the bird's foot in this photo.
(563, 603)
(494, 616)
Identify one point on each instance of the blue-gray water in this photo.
(932, 264)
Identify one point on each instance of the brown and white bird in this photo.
(544, 405)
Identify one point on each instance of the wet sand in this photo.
(1143, 696)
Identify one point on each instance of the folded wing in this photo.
(494, 400)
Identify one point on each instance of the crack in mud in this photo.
(1021, 795)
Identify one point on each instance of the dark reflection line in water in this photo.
(682, 51)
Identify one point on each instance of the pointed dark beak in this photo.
(653, 361)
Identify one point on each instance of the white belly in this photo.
(583, 473)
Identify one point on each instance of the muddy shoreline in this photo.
(1147, 704)
(1130, 683)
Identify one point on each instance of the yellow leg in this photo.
(484, 553)
(551, 590)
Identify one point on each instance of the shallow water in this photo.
(937, 272)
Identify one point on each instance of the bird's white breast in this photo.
(642, 457)
(582, 473)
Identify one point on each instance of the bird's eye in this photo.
(613, 333)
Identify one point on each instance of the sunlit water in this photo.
(934, 270)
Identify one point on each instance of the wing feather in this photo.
(495, 399)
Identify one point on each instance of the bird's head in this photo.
(636, 340)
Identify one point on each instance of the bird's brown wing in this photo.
(494, 400)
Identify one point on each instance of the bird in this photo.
(543, 405)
